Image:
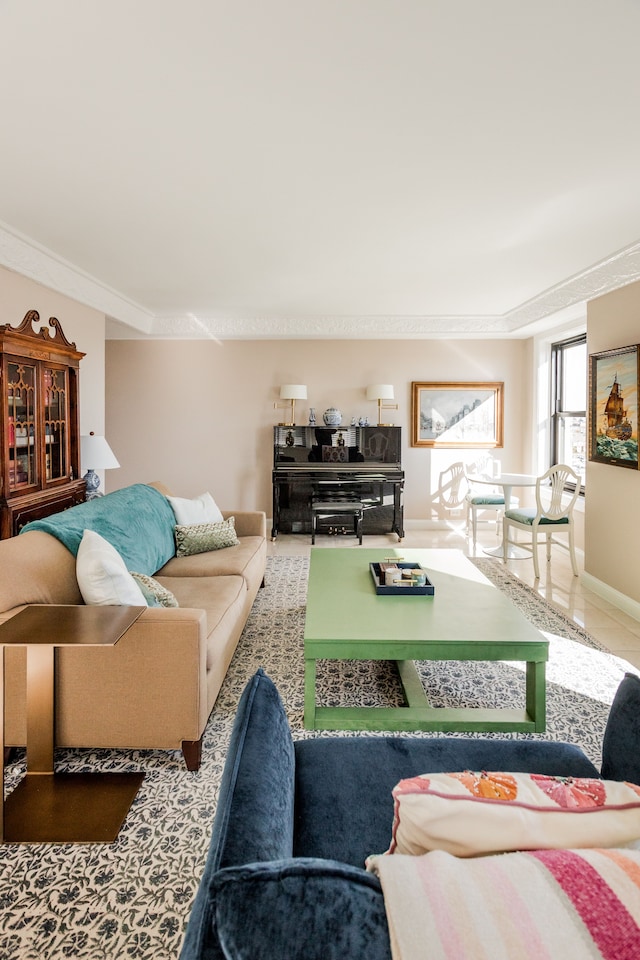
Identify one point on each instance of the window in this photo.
(569, 403)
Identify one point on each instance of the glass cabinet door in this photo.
(21, 398)
(56, 417)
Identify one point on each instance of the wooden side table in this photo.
(50, 807)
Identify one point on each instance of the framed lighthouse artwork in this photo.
(613, 407)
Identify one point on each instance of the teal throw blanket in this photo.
(137, 520)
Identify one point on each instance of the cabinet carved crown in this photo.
(40, 425)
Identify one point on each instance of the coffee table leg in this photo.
(310, 694)
(537, 694)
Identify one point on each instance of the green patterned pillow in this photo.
(202, 537)
(154, 593)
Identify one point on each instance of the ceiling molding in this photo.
(24, 256)
(326, 328)
(528, 319)
(614, 272)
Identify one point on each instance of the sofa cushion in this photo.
(102, 575)
(334, 773)
(556, 904)
(201, 537)
(154, 593)
(246, 559)
(202, 509)
(302, 910)
(221, 598)
(468, 814)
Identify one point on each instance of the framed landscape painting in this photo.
(457, 414)
(613, 407)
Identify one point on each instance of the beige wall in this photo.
(199, 414)
(612, 521)
(81, 325)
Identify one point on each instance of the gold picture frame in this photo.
(450, 414)
(614, 378)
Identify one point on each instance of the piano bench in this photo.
(338, 509)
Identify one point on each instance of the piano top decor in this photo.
(369, 445)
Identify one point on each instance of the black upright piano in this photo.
(363, 463)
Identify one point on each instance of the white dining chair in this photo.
(553, 513)
(480, 501)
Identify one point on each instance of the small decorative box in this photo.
(404, 586)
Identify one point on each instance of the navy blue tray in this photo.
(428, 590)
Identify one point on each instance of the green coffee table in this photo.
(467, 619)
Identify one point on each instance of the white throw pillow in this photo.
(102, 575)
(202, 509)
(473, 813)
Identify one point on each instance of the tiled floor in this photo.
(606, 623)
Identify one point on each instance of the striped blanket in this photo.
(538, 905)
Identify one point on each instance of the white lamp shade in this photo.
(96, 454)
(380, 391)
(293, 391)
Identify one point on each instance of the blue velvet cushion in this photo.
(300, 910)
(620, 745)
(344, 806)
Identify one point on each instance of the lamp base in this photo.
(92, 482)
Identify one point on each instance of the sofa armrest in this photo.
(255, 808)
(301, 909)
(149, 690)
(248, 523)
(620, 754)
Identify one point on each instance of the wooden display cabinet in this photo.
(40, 423)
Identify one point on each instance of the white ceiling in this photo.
(316, 168)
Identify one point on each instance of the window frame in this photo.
(558, 353)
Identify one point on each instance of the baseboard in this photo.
(617, 599)
(415, 524)
(429, 525)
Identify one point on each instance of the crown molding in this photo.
(326, 328)
(616, 271)
(24, 256)
(528, 319)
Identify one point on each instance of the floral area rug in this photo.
(132, 899)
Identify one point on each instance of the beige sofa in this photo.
(157, 686)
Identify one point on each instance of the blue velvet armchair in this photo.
(285, 878)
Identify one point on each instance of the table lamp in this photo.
(382, 392)
(292, 392)
(96, 451)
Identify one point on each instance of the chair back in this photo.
(550, 492)
(484, 466)
(453, 485)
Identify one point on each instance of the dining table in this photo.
(507, 481)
